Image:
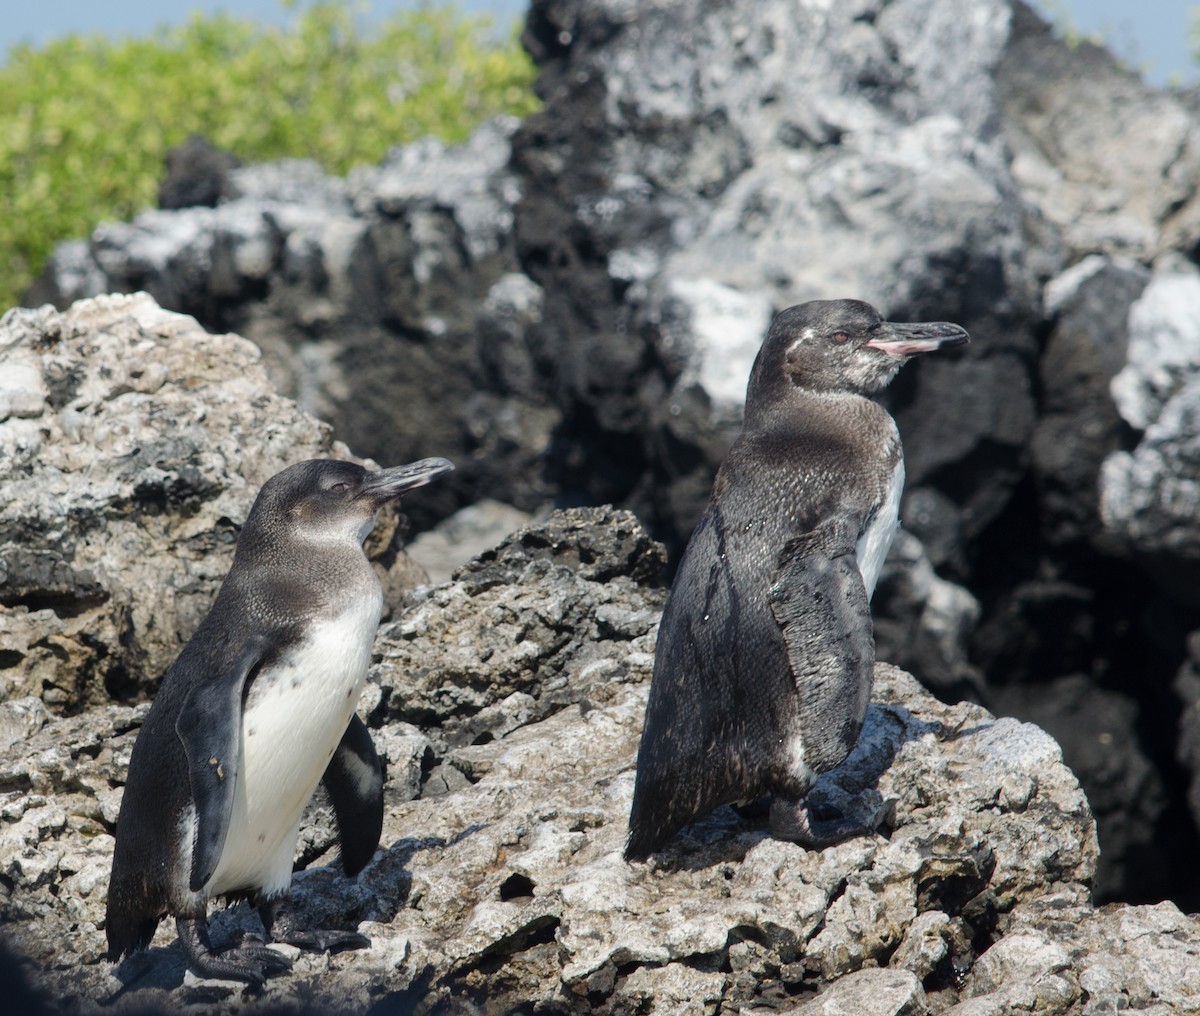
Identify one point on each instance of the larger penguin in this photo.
(257, 709)
(765, 652)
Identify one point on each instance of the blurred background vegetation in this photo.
(85, 122)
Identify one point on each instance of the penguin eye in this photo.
(340, 488)
(840, 338)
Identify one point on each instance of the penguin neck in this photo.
(787, 405)
(308, 578)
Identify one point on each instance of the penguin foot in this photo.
(813, 826)
(250, 960)
(282, 925)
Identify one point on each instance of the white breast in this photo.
(294, 718)
(873, 545)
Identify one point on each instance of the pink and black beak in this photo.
(910, 339)
(389, 483)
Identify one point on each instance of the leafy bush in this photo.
(86, 121)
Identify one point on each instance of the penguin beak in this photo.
(910, 339)
(390, 483)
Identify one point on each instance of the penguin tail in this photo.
(637, 847)
(129, 925)
(645, 835)
(128, 936)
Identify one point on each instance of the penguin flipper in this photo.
(209, 727)
(820, 603)
(354, 782)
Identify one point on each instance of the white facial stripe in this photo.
(806, 336)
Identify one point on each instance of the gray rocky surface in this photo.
(1164, 344)
(509, 889)
(133, 444)
(128, 461)
(505, 887)
(925, 623)
(567, 308)
(1079, 425)
(507, 704)
(468, 532)
(1111, 163)
(1149, 494)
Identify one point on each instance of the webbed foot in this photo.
(250, 960)
(813, 825)
(283, 926)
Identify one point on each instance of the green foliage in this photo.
(86, 121)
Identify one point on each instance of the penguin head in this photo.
(328, 501)
(840, 346)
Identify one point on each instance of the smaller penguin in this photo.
(763, 666)
(256, 711)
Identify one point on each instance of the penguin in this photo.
(763, 665)
(257, 710)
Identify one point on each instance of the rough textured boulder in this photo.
(1087, 137)
(500, 881)
(850, 162)
(503, 887)
(133, 444)
(507, 704)
(1149, 495)
(1079, 425)
(568, 307)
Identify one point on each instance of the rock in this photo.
(926, 944)
(21, 718)
(1098, 731)
(465, 534)
(526, 629)
(197, 175)
(1079, 424)
(1087, 134)
(130, 475)
(925, 623)
(1059, 957)
(869, 993)
(567, 308)
(1164, 345)
(1148, 495)
(507, 887)
(725, 198)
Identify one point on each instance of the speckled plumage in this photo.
(765, 649)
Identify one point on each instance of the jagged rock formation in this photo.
(133, 442)
(507, 705)
(382, 302)
(568, 308)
